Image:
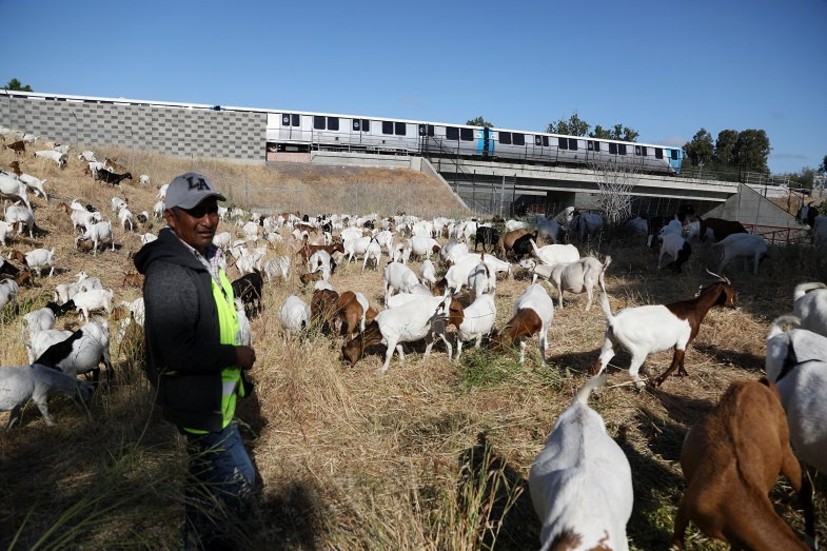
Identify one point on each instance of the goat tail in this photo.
(606, 262)
(783, 324)
(604, 305)
(585, 391)
(803, 288)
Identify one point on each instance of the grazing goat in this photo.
(472, 323)
(554, 254)
(643, 330)
(797, 363)
(810, 305)
(20, 384)
(533, 314)
(82, 352)
(351, 313)
(97, 233)
(578, 277)
(587, 225)
(32, 182)
(36, 260)
(742, 245)
(486, 236)
(111, 178)
(52, 155)
(248, 289)
(19, 147)
(581, 481)
(719, 227)
(731, 460)
(413, 321)
(398, 279)
(93, 300)
(807, 214)
(294, 316)
(20, 216)
(506, 241)
(676, 247)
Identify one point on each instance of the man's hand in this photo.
(245, 357)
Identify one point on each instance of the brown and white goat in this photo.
(533, 314)
(18, 147)
(643, 330)
(720, 227)
(731, 460)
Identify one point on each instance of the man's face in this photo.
(195, 226)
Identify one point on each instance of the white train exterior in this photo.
(304, 131)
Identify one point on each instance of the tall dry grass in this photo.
(432, 455)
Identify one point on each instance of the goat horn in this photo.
(722, 278)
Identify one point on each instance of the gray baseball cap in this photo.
(187, 190)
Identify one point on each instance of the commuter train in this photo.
(303, 131)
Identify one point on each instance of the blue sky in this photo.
(665, 69)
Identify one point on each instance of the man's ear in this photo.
(169, 217)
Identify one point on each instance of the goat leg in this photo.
(677, 363)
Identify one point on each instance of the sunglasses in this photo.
(200, 210)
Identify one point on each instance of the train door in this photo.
(486, 143)
(360, 132)
(290, 127)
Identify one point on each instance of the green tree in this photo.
(699, 150)
(823, 166)
(575, 126)
(725, 147)
(618, 132)
(479, 121)
(752, 151)
(15, 84)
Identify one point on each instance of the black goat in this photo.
(487, 236)
(111, 178)
(248, 289)
(522, 246)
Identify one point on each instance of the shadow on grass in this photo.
(290, 518)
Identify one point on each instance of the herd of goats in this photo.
(581, 482)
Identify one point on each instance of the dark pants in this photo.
(220, 489)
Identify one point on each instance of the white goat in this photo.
(742, 245)
(20, 384)
(93, 300)
(294, 316)
(677, 248)
(797, 364)
(810, 305)
(20, 216)
(581, 481)
(413, 321)
(427, 273)
(472, 323)
(81, 352)
(554, 254)
(398, 279)
(40, 342)
(34, 184)
(98, 233)
(52, 155)
(578, 277)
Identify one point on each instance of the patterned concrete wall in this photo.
(166, 129)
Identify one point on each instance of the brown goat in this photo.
(132, 280)
(731, 460)
(307, 250)
(506, 241)
(323, 308)
(349, 313)
(310, 276)
(355, 348)
(18, 147)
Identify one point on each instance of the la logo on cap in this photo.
(197, 183)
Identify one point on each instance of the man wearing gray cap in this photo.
(195, 362)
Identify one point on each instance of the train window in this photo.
(466, 134)
(545, 141)
(562, 143)
(365, 125)
(451, 133)
(613, 148)
(573, 144)
(333, 123)
(318, 123)
(505, 138)
(621, 149)
(400, 128)
(356, 125)
(594, 146)
(519, 139)
(426, 130)
(296, 120)
(538, 141)
(674, 154)
(387, 127)
(637, 150)
(590, 145)
(290, 120)
(658, 153)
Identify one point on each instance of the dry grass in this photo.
(433, 455)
